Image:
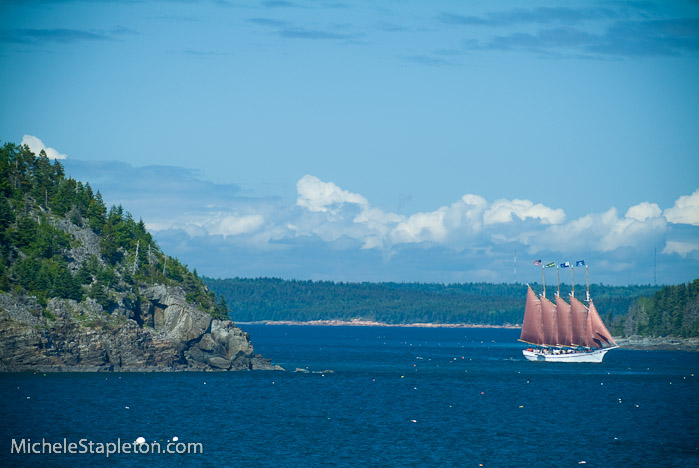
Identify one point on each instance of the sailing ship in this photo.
(564, 331)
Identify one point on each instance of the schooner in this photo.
(562, 331)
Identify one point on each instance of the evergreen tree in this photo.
(65, 285)
(221, 311)
(97, 212)
(99, 294)
(109, 247)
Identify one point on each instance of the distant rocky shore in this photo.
(371, 323)
(659, 343)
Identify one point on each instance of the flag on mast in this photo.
(537, 262)
(565, 265)
(580, 263)
(550, 265)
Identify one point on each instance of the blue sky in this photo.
(378, 141)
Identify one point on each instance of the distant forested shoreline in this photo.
(670, 311)
(274, 299)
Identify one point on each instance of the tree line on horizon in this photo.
(274, 299)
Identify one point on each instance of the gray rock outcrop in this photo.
(166, 334)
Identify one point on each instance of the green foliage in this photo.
(473, 303)
(47, 278)
(98, 292)
(4, 279)
(96, 212)
(221, 310)
(48, 241)
(36, 198)
(88, 270)
(23, 232)
(671, 311)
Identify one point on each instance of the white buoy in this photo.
(175, 439)
(140, 441)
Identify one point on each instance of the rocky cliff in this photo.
(84, 288)
(165, 334)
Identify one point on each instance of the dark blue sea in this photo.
(396, 397)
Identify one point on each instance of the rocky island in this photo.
(83, 288)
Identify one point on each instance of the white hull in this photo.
(591, 356)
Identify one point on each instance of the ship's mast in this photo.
(543, 275)
(558, 279)
(572, 280)
(587, 277)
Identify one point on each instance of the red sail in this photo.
(598, 333)
(578, 313)
(588, 330)
(532, 328)
(548, 312)
(565, 324)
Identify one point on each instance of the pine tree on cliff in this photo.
(36, 199)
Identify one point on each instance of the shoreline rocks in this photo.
(82, 337)
(667, 343)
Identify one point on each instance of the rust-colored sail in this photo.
(588, 330)
(532, 326)
(598, 333)
(561, 324)
(578, 315)
(565, 324)
(548, 312)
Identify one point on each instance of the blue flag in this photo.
(580, 263)
(565, 265)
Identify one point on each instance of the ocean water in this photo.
(396, 397)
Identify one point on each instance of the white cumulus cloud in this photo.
(316, 195)
(501, 211)
(681, 248)
(233, 225)
(644, 211)
(448, 225)
(36, 145)
(629, 231)
(685, 210)
(331, 214)
(212, 224)
(421, 227)
(348, 214)
(601, 232)
(378, 225)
